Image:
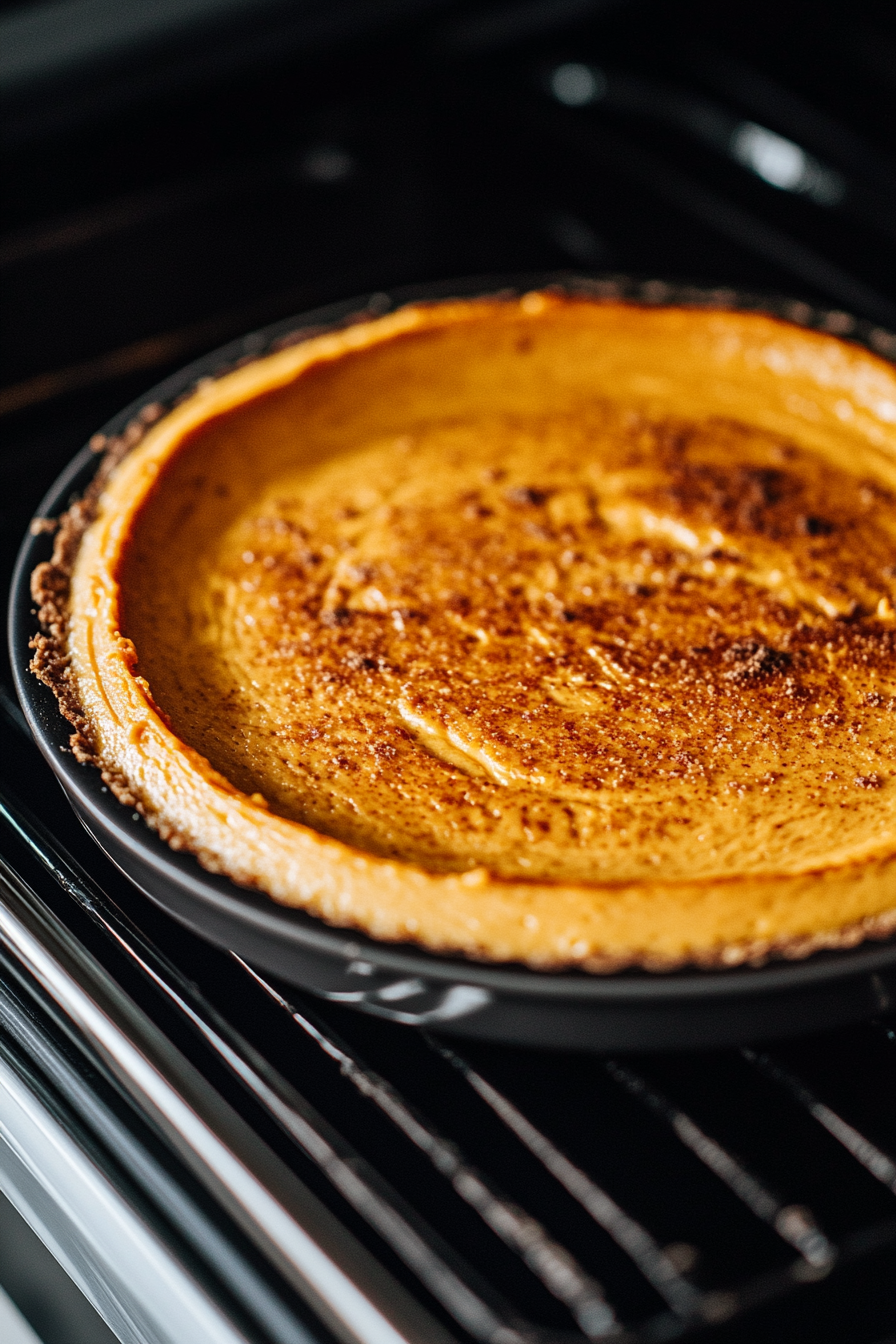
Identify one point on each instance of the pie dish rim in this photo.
(256, 344)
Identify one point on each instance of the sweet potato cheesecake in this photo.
(544, 629)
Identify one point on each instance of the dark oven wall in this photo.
(165, 196)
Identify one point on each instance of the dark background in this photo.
(177, 172)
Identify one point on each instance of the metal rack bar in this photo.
(551, 1263)
(794, 1223)
(873, 1159)
(268, 1202)
(657, 1267)
(419, 1246)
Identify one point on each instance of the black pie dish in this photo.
(629, 1010)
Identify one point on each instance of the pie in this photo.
(546, 629)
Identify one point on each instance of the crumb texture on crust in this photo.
(545, 630)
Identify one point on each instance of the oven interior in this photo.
(166, 192)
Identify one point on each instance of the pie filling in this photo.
(544, 629)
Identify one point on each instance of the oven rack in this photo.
(206, 1064)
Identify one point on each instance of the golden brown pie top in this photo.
(547, 629)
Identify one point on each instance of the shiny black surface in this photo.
(143, 231)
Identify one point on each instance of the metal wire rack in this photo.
(588, 1193)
